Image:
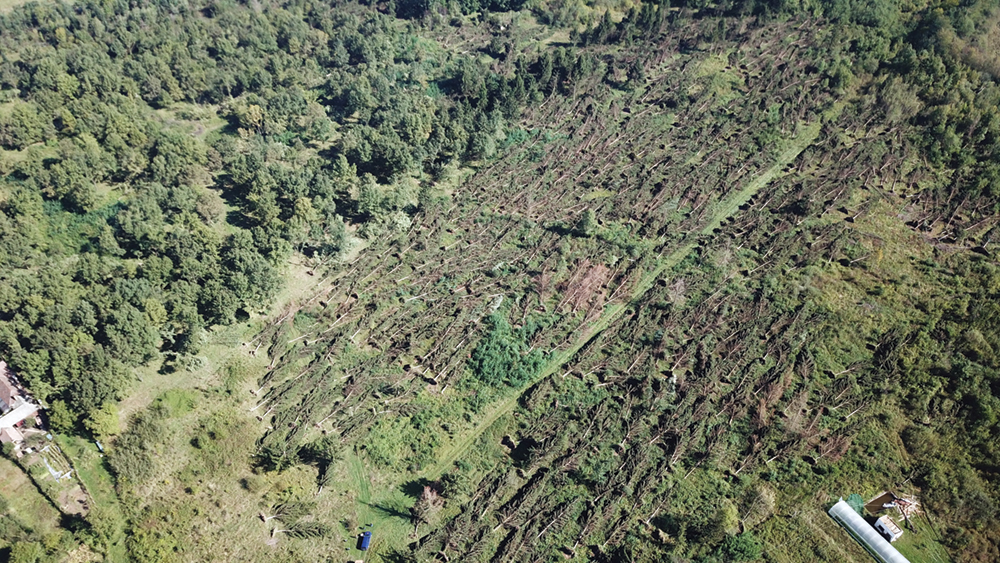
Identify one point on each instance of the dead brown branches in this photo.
(583, 285)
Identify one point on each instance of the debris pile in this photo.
(907, 506)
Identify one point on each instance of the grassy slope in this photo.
(922, 546)
(26, 503)
(382, 509)
(92, 470)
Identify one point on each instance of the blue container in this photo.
(366, 538)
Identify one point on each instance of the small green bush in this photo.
(502, 357)
(742, 547)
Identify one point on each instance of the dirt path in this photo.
(723, 210)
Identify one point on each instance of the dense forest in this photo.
(146, 231)
(511, 281)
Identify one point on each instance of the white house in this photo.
(888, 528)
(22, 412)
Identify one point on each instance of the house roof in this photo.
(10, 434)
(7, 393)
(21, 412)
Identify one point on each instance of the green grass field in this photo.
(26, 504)
(386, 509)
(922, 545)
(91, 468)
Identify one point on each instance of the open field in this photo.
(25, 503)
(922, 545)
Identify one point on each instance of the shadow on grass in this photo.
(560, 229)
(397, 556)
(389, 510)
(415, 488)
(71, 522)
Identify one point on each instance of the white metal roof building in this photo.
(866, 535)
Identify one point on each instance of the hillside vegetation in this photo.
(594, 281)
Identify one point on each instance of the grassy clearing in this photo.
(198, 121)
(722, 81)
(216, 480)
(877, 294)
(224, 344)
(220, 493)
(92, 470)
(922, 545)
(558, 38)
(811, 530)
(153, 381)
(387, 511)
(26, 503)
(361, 484)
(10, 158)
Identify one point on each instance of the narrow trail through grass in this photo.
(723, 210)
(360, 477)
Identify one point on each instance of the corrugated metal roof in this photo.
(868, 536)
